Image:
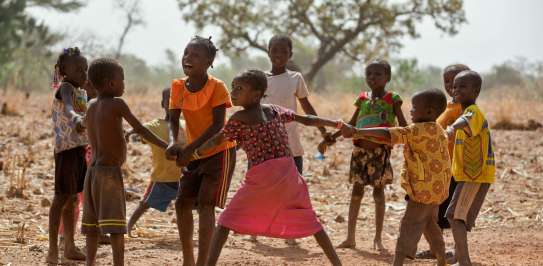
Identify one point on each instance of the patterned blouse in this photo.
(264, 141)
(66, 136)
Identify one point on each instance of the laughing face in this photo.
(196, 60)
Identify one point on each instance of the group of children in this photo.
(448, 156)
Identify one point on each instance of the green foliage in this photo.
(25, 58)
(356, 29)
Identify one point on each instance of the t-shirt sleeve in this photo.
(176, 94)
(221, 96)
(396, 98)
(475, 120)
(285, 115)
(301, 87)
(400, 135)
(232, 130)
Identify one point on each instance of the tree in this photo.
(353, 28)
(132, 11)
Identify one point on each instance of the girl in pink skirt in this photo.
(273, 201)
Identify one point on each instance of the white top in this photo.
(285, 90)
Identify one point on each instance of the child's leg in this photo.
(434, 236)
(92, 247)
(57, 206)
(379, 198)
(140, 210)
(326, 245)
(185, 226)
(354, 208)
(70, 251)
(412, 224)
(460, 235)
(117, 246)
(217, 243)
(206, 212)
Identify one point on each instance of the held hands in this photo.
(172, 151)
(184, 156)
(451, 132)
(347, 131)
(79, 123)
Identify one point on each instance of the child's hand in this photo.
(172, 151)
(347, 131)
(451, 132)
(323, 146)
(183, 157)
(79, 123)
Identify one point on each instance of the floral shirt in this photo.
(264, 141)
(426, 172)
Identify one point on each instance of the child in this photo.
(451, 113)
(274, 200)
(473, 164)
(203, 100)
(284, 88)
(69, 106)
(165, 176)
(104, 200)
(425, 174)
(370, 162)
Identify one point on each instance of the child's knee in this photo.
(358, 191)
(183, 203)
(379, 195)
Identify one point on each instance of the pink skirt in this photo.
(273, 201)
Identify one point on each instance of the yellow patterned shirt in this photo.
(426, 172)
(473, 159)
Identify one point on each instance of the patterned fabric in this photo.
(473, 159)
(197, 108)
(66, 135)
(264, 141)
(371, 167)
(426, 171)
(447, 118)
(376, 112)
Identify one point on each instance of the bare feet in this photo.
(52, 257)
(347, 244)
(74, 254)
(378, 245)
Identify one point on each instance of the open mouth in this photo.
(187, 66)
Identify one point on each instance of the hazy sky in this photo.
(497, 30)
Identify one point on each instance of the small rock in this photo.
(45, 202)
(37, 191)
(36, 248)
(340, 219)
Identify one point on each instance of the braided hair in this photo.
(208, 45)
(59, 72)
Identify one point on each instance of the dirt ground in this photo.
(509, 228)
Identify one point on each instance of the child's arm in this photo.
(311, 120)
(66, 95)
(399, 114)
(309, 110)
(352, 122)
(173, 134)
(460, 123)
(137, 126)
(381, 133)
(214, 141)
(219, 117)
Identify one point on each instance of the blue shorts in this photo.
(159, 194)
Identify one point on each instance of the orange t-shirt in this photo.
(197, 108)
(451, 113)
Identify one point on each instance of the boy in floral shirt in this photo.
(425, 175)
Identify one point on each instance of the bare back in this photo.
(105, 131)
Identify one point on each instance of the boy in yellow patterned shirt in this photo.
(473, 164)
(425, 175)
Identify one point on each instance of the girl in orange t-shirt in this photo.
(203, 99)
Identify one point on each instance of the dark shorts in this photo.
(207, 180)
(466, 202)
(159, 194)
(104, 205)
(299, 162)
(371, 167)
(70, 170)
